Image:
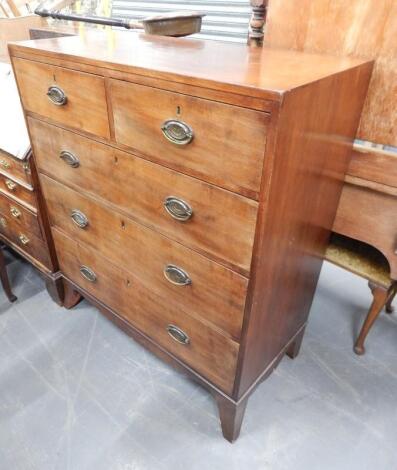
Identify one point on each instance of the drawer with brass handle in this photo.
(74, 99)
(205, 349)
(200, 137)
(15, 170)
(23, 238)
(23, 219)
(185, 280)
(21, 192)
(199, 215)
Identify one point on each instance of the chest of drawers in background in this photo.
(23, 224)
(191, 187)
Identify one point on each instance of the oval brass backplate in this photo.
(56, 95)
(69, 158)
(176, 275)
(87, 273)
(177, 132)
(79, 218)
(178, 335)
(178, 208)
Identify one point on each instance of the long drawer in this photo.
(73, 98)
(24, 220)
(205, 350)
(221, 224)
(186, 280)
(217, 142)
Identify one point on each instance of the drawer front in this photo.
(210, 353)
(84, 97)
(185, 279)
(23, 220)
(369, 216)
(228, 142)
(16, 169)
(17, 191)
(25, 239)
(140, 188)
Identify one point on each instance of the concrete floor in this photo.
(76, 393)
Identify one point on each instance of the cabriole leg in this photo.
(381, 296)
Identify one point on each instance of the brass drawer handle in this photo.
(11, 185)
(3, 222)
(4, 164)
(15, 212)
(69, 158)
(57, 96)
(177, 132)
(23, 239)
(88, 273)
(178, 209)
(79, 218)
(176, 275)
(178, 335)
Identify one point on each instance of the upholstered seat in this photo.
(367, 262)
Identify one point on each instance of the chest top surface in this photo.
(260, 72)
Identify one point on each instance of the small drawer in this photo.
(72, 98)
(18, 170)
(23, 220)
(17, 191)
(151, 194)
(216, 142)
(25, 239)
(202, 348)
(185, 279)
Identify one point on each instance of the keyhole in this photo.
(178, 110)
(123, 224)
(128, 283)
(116, 160)
(54, 77)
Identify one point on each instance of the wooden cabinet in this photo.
(23, 220)
(191, 201)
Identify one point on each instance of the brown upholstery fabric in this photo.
(359, 258)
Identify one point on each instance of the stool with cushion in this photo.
(367, 262)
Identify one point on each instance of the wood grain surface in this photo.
(366, 29)
(208, 352)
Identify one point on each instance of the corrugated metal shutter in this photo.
(225, 20)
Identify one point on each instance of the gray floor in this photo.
(76, 393)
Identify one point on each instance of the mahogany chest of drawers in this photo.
(191, 187)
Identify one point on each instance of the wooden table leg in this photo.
(231, 416)
(4, 278)
(381, 297)
(389, 307)
(295, 346)
(71, 296)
